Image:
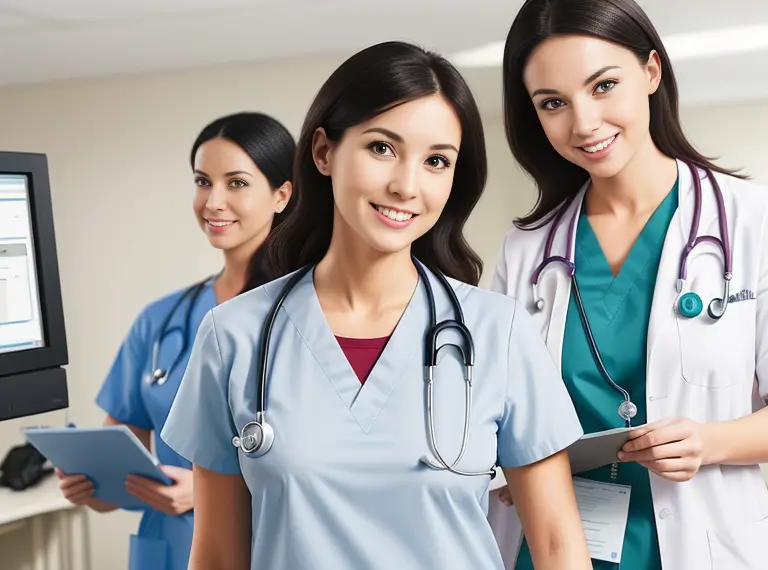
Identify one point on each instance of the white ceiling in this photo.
(44, 40)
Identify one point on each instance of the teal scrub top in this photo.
(618, 309)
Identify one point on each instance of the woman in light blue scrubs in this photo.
(242, 174)
(390, 164)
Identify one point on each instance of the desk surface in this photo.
(42, 499)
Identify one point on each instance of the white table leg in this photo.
(54, 542)
(38, 543)
(79, 543)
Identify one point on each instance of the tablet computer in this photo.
(106, 455)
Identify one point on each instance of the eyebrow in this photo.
(394, 136)
(589, 80)
(233, 173)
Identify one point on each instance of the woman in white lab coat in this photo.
(674, 345)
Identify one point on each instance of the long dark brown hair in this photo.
(621, 22)
(369, 83)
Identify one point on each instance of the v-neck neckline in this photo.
(592, 260)
(363, 401)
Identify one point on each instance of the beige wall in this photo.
(118, 152)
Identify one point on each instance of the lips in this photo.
(393, 213)
(598, 146)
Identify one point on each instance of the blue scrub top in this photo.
(343, 486)
(162, 542)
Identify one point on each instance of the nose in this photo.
(586, 118)
(404, 181)
(217, 199)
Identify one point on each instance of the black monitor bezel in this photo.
(54, 353)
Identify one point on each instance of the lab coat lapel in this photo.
(555, 281)
(663, 310)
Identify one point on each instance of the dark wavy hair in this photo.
(271, 148)
(621, 22)
(369, 83)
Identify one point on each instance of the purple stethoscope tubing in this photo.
(627, 409)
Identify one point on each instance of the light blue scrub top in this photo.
(342, 486)
(163, 542)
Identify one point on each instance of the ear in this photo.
(321, 151)
(283, 195)
(653, 71)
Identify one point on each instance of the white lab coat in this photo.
(696, 368)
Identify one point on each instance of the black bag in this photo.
(23, 467)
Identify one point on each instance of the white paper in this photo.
(604, 509)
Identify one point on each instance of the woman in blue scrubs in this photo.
(591, 114)
(390, 164)
(242, 175)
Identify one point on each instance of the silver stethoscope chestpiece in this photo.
(255, 438)
(627, 410)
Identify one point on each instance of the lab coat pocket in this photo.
(718, 354)
(147, 554)
(740, 547)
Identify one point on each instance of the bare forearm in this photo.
(736, 442)
(546, 503)
(560, 549)
(203, 557)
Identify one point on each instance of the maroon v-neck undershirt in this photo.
(362, 353)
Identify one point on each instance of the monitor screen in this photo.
(21, 325)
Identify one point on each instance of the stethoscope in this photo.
(160, 375)
(256, 437)
(689, 304)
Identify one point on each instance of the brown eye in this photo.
(381, 148)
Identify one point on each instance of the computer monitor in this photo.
(33, 344)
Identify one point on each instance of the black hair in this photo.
(271, 147)
(369, 83)
(621, 22)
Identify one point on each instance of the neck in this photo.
(638, 189)
(234, 276)
(354, 277)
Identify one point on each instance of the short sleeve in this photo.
(539, 418)
(199, 425)
(120, 395)
(761, 334)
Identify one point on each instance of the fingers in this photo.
(647, 428)
(67, 481)
(666, 434)
(505, 496)
(76, 489)
(677, 449)
(147, 485)
(157, 502)
(162, 499)
(677, 470)
(173, 472)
